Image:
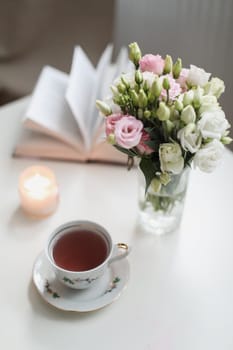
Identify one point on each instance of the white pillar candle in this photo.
(38, 191)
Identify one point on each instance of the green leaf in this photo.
(149, 169)
(129, 152)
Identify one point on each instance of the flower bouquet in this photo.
(168, 117)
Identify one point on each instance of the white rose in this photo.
(171, 160)
(215, 87)
(213, 124)
(208, 157)
(190, 138)
(149, 77)
(197, 76)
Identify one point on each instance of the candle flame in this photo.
(37, 186)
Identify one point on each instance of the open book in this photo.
(62, 121)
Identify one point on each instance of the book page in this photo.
(79, 92)
(34, 145)
(48, 110)
(110, 74)
(101, 69)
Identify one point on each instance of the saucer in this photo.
(107, 289)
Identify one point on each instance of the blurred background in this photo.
(34, 33)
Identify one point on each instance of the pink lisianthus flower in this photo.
(128, 131)
(111, 121)
(152, 63)
(183, 78)
(142, 147)
(174, 90)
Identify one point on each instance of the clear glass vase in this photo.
(161, 212)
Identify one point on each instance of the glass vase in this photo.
(161, 212)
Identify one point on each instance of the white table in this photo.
(180, 292)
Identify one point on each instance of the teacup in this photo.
(79, 253)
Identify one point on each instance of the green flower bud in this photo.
(151, 97)
(134, 53)
(121, 87)
(142, 99)
(134, 97)
(145, 86)
(168, 65)
(137, 88)
(169, 125)
(188, 115)
(147, 114)
(188, 98)
(174, 114)
(226, 140)
(140, 113)
(114, 90)
(163, 112)
(117, 100)
(103, 107)
(138, 77)
(166, 84)
(111, 139)
(125, 82)
(177, 67)
(164, 178)
(179, 105)
(197, 95)
(156, 88)
(156, 184)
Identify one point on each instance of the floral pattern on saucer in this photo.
(106, 290)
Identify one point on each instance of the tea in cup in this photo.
(79, 252)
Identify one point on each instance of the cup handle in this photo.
(121, 250)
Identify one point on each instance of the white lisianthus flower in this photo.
(171, 160)
(208, 107)
(190, 138)
(197, 76)
(215, 87)
(213, 124)
(209, 99)
(149, 77)
(209, 103)
(208, 157)
(188, 115)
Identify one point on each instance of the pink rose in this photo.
(142, 147)
(128, 131)
(110, 123)
(174, 90)
(152, 63)
(183, 78)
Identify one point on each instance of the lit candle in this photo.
(38, 191)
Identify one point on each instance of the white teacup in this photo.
(79, 252)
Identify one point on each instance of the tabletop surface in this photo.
(180, 292)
